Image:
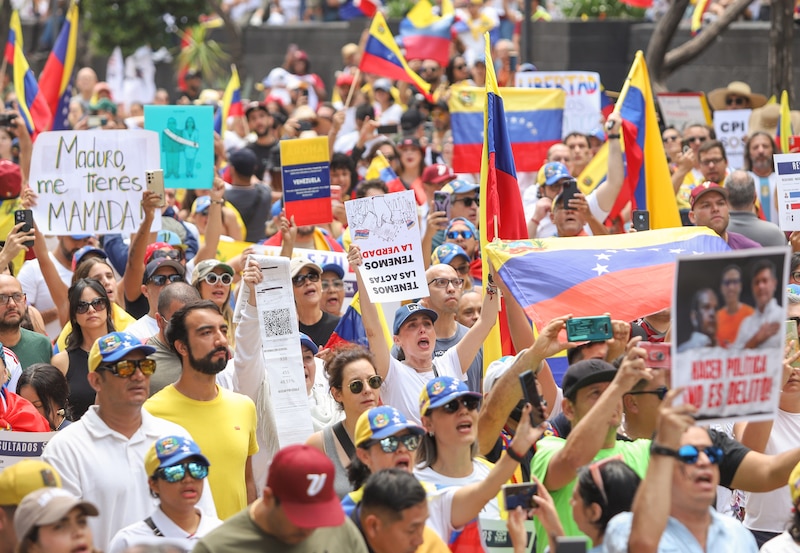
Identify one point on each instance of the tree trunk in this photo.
(780, 48)
(235, 37)
(659, 42)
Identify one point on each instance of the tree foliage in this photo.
(130, 24)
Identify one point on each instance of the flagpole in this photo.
(352, 88)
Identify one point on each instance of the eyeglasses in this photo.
(300, 280)
(661, 391)
(161, 280)
(126, 368)
(443, 282)
(470, 402)
(795, 276)
(731, 281)
(390, 444)
(468, 201)
(597, 478)
(176, 473)
(689, 454)
(712, 161)
(462, 269)
(335, 284)
(357, 386)
(460, 67)
(175, 255)
(98, 304)
(390, 158)
(16, 296)
(736, 101)
(696, 139)
(671, 138)
(213, 278)
(454, 234)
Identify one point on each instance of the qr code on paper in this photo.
(277, 322)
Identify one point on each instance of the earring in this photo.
(430, 434)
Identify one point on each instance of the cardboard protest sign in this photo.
(787, 167)
(387, 231)
(16, 446)
(91, 182)
(728, 327)
(306, 170)
(680, 109)
(186, 136)
(731, 127)
(582, 108)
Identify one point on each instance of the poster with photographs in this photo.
(728, 324)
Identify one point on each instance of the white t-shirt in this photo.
(547, 228)
(143, 328)
(402, 385)
(139, 533)
(32, 281)
(780, 544)
(480, 471)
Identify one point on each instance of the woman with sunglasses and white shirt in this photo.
(213, 279)
(355, 385)
(176, 469)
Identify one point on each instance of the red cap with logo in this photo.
(705, 188)
(301, 477)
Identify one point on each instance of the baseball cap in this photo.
(460, 186)
(206, 266)
(554, 172)
(26, 476)
(10, 179)
(404, 312)
(155, 246)
(113, 347)
(467, 222)
(297, 263)
(306, 341)
(92, 251)
(583, 373)
(438, 173)
(598, 133)
(46, 506)
(244, 161)
(497, 369)
(334, 268)
(169, 451)
(411, 119)
(344, 79)
(80, 236)
(382, 84)
(447, 252)
(254, 106)
(170, 238)
(381, 422)
(705, 188)
(301, 478)
(408, 142)
(154, 265)
(441, 391)
(201, 204)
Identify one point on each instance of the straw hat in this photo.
(717, 96)
(766, 119)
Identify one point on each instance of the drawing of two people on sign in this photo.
(177, 143)
(384, 216)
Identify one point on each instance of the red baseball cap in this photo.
(705, 188)
(10, 180)
(148, 253)
(438, 173)
(301, 477)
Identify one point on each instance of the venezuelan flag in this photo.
(647, 180)
(32, 103)
(426, 35)
(533, 117)
(638, 268)
(350, 329)
(784, 131)
(231, 103)
(54, 82)
(382, 57)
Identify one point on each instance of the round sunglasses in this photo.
(374, 382)
(213, 278)
(176, 473)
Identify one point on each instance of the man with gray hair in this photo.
(741, 189)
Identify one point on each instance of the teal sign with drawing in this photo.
(186, 137)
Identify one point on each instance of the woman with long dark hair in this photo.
(90, 315)
(47, 389)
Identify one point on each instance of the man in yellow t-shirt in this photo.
(223, 423)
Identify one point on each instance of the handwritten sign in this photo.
(305, 166)
(728, 321)
(16, 446)
(386, 229)
(582, 107)
(186, 140)
(91, 182)
(787, 167)
(680, 109)
(731, 127)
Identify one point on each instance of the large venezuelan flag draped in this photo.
(533, 117)
(647, 179)
(382, 57)
(784, 131)
(32, 103)
(628, 275)
(231, 103)
(54, 81)
(426, 35)
(350, 329)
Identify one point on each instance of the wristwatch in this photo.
(656, 449)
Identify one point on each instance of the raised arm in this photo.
(288, 232)
(369, 316)
(214, 226)
(134, 268)
(468, 347)
(608, 191)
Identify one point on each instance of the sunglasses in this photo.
(460, 67)
(468, 201)
(470, 402)
(300, 280)
(390, 158)
(391, 443)
(660, 392)
(597, 478)
(175, 255)
(357, 386)
(213, 278)
(689, 454)
(176, 473)
(696, 139)
(161, 280)
(465, 234)
(98, 304)
(736, 101)
(671, 138)
(462, 269)
(444, 282)
(126, 368)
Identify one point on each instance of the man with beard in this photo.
(261, 122)
(35, 288)
(761, 328)
(758, 152)
(29, 347)
(223, 423)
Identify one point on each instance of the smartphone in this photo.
(791, 335)
(155, 183)
(24, 216)
(306, 125)
(387, 129)
(520, 495)
(441, 202)
(641, 219)
(513, 62)
(686, 145)
(566, 544)
(95, 121)
(569, 191)
(336, 192)
(531, 395)
(659, 355)
(590, 329)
